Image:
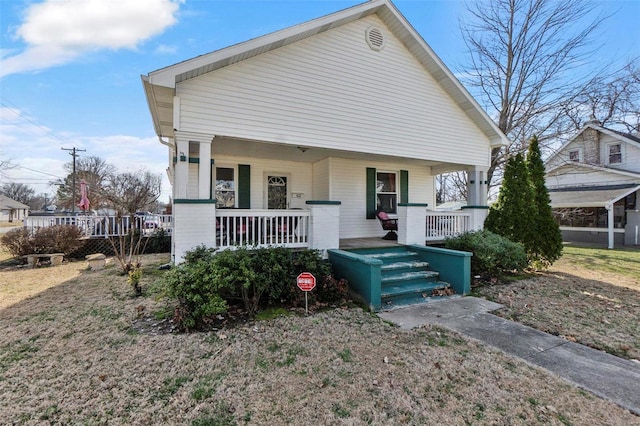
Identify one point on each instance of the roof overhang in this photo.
(590, 168)
(589, 198)
(160, 85)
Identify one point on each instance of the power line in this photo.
(74, 154)
(33, 170)
(15, 109)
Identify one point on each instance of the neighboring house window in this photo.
(615, 153)
(387, 191)
(574, 155)
(225, 187)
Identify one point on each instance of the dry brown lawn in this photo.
(580, 301)
(70, 355)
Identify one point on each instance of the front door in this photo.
(277, 192)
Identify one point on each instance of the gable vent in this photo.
(375, 38)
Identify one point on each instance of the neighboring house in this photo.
(11, 210)
(297, 137)
(594, 184)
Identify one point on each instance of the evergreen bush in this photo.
(198, 294)
(492, 254)
(523, 211)
(546, 240)
(511, 216)
(208, 281)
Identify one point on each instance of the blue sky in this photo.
(70, 70)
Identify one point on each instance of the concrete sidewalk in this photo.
(605, 375)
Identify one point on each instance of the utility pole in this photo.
(74, 154)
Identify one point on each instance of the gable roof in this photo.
(160, 85)
(7, 203)
(591, 167)
(622, 137)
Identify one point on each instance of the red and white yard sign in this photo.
(306, 281)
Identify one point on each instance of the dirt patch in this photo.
(590, 307)
(70, 354)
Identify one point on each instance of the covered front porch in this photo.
(230, 192)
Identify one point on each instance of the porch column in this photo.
(610, 231)
(204, 171)
(181, 178)
(478, 216)
(412, 223)
(194, 224)
(477, 187)
(324, 226)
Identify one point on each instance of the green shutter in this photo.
(371, 193)
(404, 186)
(244, 186)
(212, 187)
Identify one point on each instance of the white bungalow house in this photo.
(297, 137)
(594, 185)
(12, 211)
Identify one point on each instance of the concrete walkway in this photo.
(605, 375)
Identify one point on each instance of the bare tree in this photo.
(523, 56)
(18, 191)
(95, 171)
(128, 193)
(131, 192)
(613, 100)
(451, 187)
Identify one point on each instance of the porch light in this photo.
(182, 156)
(303, 149)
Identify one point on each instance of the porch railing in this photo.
(105, 226)
(441, 225)
(262, 228)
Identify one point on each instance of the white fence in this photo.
(262, 228)
(105, 226)
(441, 225)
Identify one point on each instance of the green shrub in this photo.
(197, 291)
(235, 270)
(18, 242)
(492, 254)
(207, 281)
(53, 239)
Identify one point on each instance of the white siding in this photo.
(630, 154)
(299, 182)
(321, 181)
(193, 224)
(192, 188)
(333, 91)
(349, 185)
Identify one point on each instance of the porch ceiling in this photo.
(258, 149)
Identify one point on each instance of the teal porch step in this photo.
(392, 276)
(391, 257)
(405, 279)
(409, 293)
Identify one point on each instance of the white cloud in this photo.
(164, 49)
(57, 32)
(35, 149)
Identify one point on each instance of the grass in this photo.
(69, 355)
(623, 261)
(590, 296)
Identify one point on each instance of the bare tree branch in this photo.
(523, 57)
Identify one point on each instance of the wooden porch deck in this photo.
(377, 242)
(373, 242)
